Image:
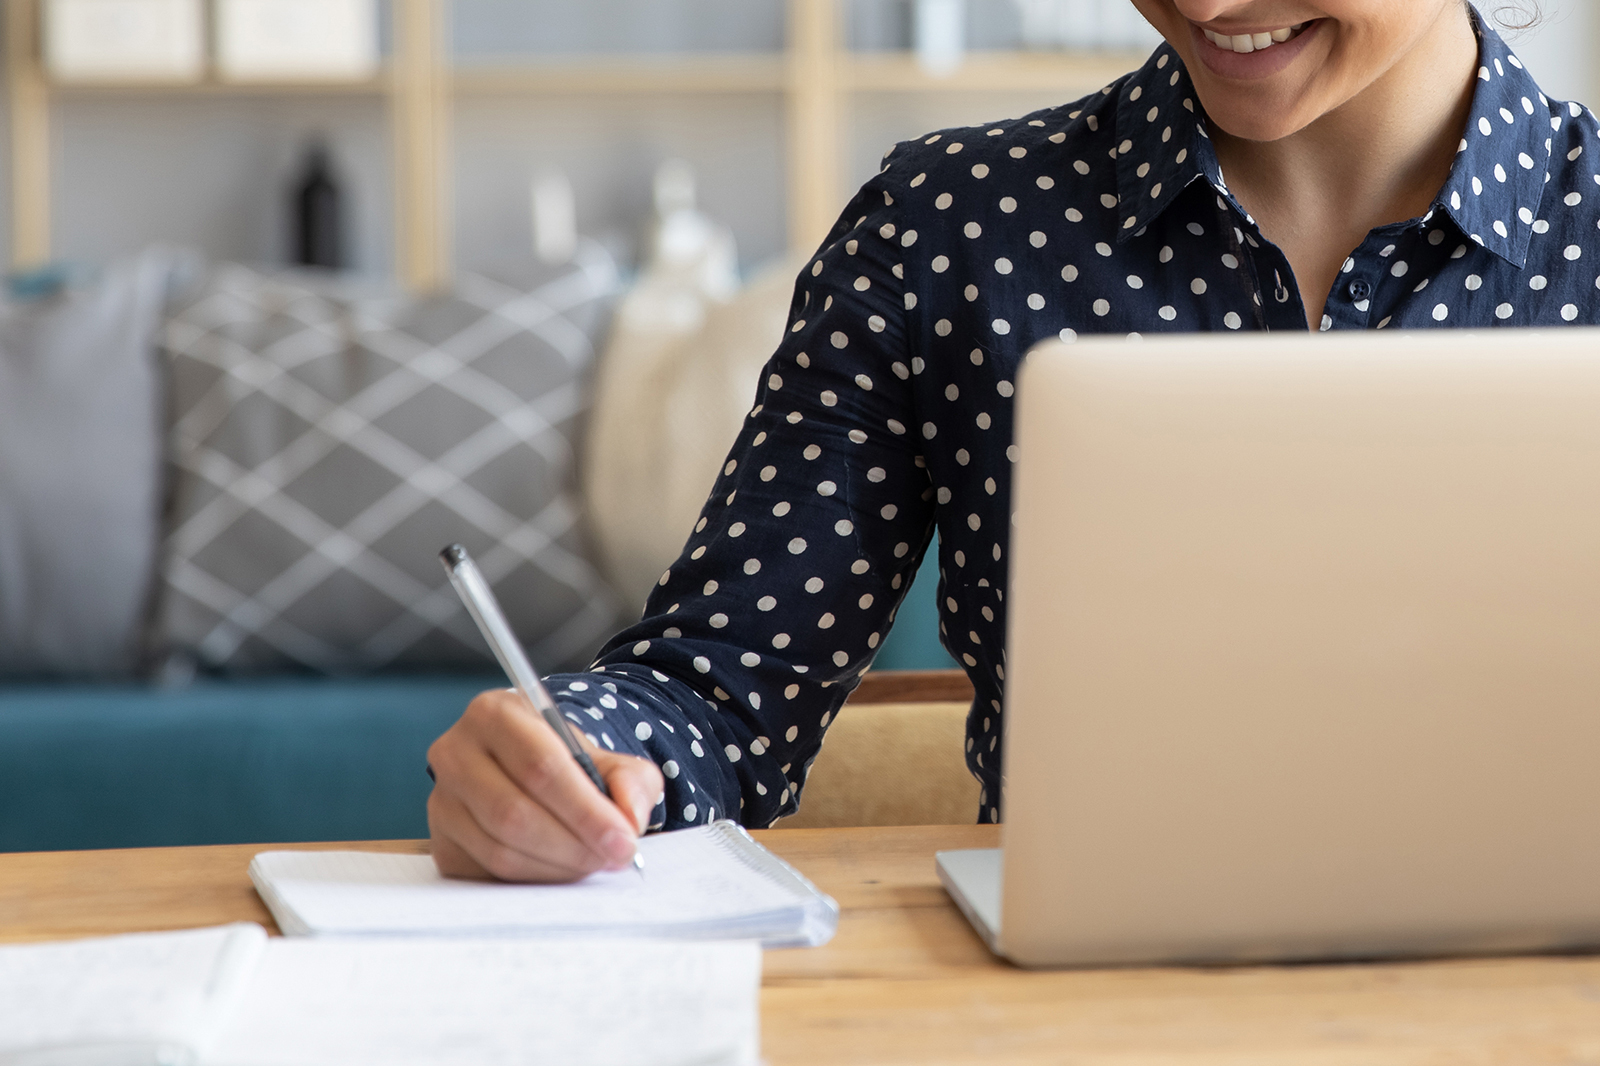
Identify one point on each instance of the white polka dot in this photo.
(669, 769)
(1102, 308)
(797, 545)
(1569, 312)
(642, 731)
(689, 812)
(702, 664)
(1504, 311)
(1198, 286)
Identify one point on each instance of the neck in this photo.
(1380, 157)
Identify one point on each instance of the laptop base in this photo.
(972, 877)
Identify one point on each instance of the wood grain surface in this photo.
(907, 981)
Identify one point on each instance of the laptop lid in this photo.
(1304, 648)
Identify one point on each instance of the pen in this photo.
(485, 610)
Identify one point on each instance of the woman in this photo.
(1278, 164)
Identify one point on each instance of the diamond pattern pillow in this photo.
(324, 447)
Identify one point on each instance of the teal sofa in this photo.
(92, 766)
(260, 761)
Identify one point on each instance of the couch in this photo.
(156, 690)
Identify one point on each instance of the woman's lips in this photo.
(1233, 61)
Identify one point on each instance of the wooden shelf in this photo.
(1073, 74)
(886, 72)
(814, 75)
(218, 87)
(624, 74)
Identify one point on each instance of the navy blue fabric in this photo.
(887, 411)
(89, 766)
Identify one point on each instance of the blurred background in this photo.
(301, 290)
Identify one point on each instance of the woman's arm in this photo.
(763, 626)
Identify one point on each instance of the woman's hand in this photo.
(511, 802)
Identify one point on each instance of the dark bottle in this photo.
(317, 239)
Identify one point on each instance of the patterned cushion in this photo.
(325, 446)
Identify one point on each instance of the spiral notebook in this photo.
(229, 996)
(711, 882)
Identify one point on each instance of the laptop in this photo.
(1304, 652)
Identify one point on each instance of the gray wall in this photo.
(212, 171)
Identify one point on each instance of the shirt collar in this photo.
(1492, 192)
(1501, 166)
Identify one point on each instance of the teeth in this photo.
(1252, 42)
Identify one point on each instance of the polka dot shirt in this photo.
(886, 413)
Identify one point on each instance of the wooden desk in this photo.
(906, 980)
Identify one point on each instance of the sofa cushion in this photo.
(324, 447)
(80, 470)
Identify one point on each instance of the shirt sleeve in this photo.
(813, 531)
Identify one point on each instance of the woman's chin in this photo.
(1253, 123)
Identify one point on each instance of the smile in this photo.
(1252, 42)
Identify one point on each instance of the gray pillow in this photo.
(324, 447)
(80, 471)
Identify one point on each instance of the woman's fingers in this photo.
(511, 802)
(461, 848)
(513, 819)
(636, 784)
(532, 756)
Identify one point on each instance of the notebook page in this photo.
(441, 1002)
(146, 997)
(690, 877)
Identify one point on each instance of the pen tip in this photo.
(638, 863)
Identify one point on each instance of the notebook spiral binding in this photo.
(821, 909)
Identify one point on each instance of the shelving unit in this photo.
(815, 74)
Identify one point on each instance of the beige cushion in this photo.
(891, 764)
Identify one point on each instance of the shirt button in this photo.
(1360, 290)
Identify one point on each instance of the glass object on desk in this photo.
(123, 40)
